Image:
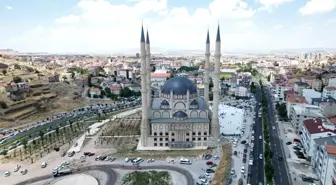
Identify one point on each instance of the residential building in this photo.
(313, 129)
(281, 88)
(95, 91)
(329, 91)
(241, 92)
(302, 112)
(318, 101)
(328, 108)
(293, 99)
(325, 164)
(317, 84)
(299, 86)
(332, 81)
(158, 79)
(309, 94)
(115, 89)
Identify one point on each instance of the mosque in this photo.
(179, 118)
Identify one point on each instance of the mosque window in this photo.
(161, 134)
(199, 133)
(166, 138)
(161, 144)
(161, 139)
(187, 133)
(199, 139)
(205, 133)
(193, 133)
(193, 139)
(187, 139)
(155, 139)
(155, 134)
(205, 139)
(166, 144)
(155, 144)
(167, 134)
(173, 140)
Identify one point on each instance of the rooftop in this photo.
(331, 150)
(330, 88)
(315, 126)
(293, 98)
(326, 140)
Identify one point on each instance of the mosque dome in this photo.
(179, 85)
(180, 115)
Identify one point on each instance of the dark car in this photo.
(207, 156)
(72, 153)
(210, 170)
(243, 142)
(245, 150)
(244, 160)
(279, 158)
(235, 153)
(240, 181)
(288, 143)
(308, 179)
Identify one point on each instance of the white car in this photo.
(17, 168)
(260, 156)
(260, 137)
(43, 165)
(232, 172)
(252, 138)
(7, 173)
(242, 170)
(171, 161)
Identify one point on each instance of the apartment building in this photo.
(302, 112)
(317, 84)
(281, 88)
(313, 129)
(293, 99)
(299, 87)
(329, 91)
(241, 92)
(325, 164)
(310, 93)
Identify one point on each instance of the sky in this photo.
(65, 26)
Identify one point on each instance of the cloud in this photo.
(269, 5)
(67, 19)
(318, 7)
(104, 26)
(278, 27)
(9, 7)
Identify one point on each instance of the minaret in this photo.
(144, 120)
(149, 71)
(214, 121)
(206, 70)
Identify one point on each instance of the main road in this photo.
(257, 169)
(281, 176)
(112, 174)
(53, 125)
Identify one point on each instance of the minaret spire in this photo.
(149, 72)
(206, 69)
(144, 107)
(218, 38)
(214, 120)
(142, 34)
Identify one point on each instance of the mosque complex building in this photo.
(179, 118)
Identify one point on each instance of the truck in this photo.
(60, 171)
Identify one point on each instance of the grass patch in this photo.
(225, 75)
(224, 166)
(147, 178)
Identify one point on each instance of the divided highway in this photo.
(257, 169)
(280, 171)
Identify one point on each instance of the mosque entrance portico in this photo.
(181, 144)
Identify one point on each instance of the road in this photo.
(257, 169)
(111, 171)
(53, 124)
(280, 170)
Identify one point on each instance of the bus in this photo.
(137, 161)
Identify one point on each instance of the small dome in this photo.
(165, 102)
(180, 114)
(194, 102)
(179, 85)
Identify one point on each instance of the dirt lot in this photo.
(224, 165)
(64, 102)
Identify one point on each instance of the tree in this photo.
(3, 105)
(107, 91)
(41, 134)
(17, 79)
(89, 80)
(95, 96)
(73, 75)
(4, 72)
(24, 143)
(269, 78)
(126, 92)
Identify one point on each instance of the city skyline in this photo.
(113, 26)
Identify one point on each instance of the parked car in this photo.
(43, 165)
(72, 153)
(17, 168)
(209, 163)
(150, 160)
(7, 173)
(24, 172)
(210, 171)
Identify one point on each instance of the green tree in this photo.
(89, 80)
(17, 79)
(41, 134)
(4, 72)
(3, 105)
(95, 96)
